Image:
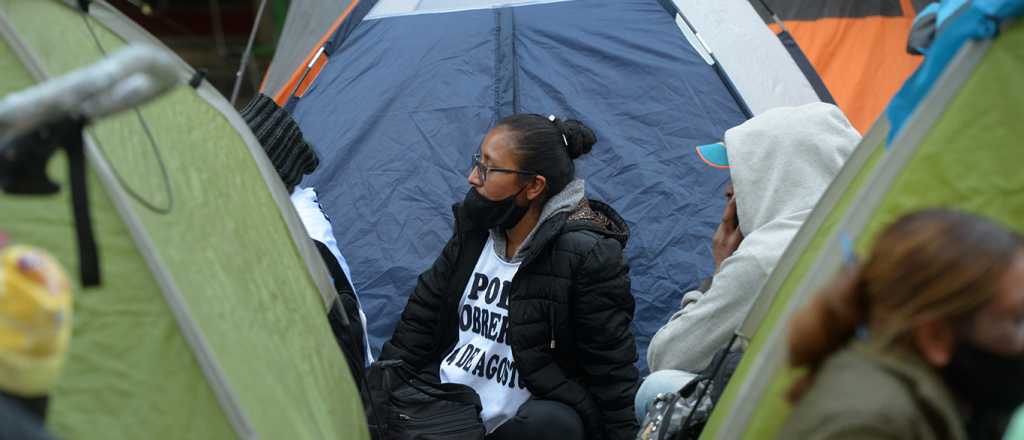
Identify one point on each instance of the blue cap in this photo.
(714, 155)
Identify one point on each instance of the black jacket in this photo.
(570, 311)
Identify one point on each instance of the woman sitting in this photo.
(529, 303)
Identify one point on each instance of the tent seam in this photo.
(515, 63)
(497, 64)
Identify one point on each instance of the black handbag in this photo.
(406, 405)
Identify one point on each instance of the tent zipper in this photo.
(309, 67)
(552, 325)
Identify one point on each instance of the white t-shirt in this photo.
(319, 228)
(482, 359)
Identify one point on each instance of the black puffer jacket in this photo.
(570, 311)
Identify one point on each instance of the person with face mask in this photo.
(529, 303)
(924, 340)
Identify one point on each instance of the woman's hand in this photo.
(727, 237)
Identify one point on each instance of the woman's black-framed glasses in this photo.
(484, 169)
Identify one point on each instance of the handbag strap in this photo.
(715, 367)
(666, 419)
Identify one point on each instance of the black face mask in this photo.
(486, 214)
(985, 380)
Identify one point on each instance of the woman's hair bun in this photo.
(579, 137)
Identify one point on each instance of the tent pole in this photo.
(775, 17)
(248, 51)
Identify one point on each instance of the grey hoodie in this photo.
(781, 162)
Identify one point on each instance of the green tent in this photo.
(961, 147)
(210, 319)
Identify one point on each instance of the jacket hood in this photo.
(587, 215)
(783, 160)
(570, 211)
(597, 216)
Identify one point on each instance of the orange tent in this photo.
(858, 48)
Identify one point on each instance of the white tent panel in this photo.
(752, 56)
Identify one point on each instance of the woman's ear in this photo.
(935, 340)
(536, 187)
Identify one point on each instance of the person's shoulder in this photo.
(590, 222)
(851, 394)
(866, 381)
(577, 240)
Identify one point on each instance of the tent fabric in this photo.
(249, 291)
(77, 404)
(980, 21)
(857, 48)
(394, 8)
(973, 106)
(126, 29)
(45, 222)
(86, 405)
(355, 16)
(814, 10)
(402, 105)
(728, 27)
(806, 67)
(335, 37)
(739, 41)
(303, 75)
(306, 22)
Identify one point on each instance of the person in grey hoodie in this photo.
(780, 162)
